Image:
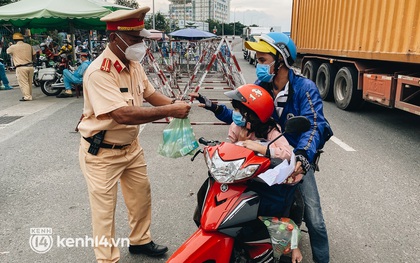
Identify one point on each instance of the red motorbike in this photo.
(227, 212)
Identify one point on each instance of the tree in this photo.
(161, 23)
(129, 3)
(6, 2)
(214, 25)
(226, 29)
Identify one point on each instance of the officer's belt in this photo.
(24, 65)
(106, 145)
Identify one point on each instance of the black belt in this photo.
(24, 65)
(106, 145)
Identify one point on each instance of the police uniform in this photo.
(109, 85)
(22, 54)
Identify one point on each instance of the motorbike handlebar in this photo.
(203, 141)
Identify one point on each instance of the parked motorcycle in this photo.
(51, 79)
(42, 63)
(227, 211)
(48, 77)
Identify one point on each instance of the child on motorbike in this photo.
(253, 128)
(252, 123)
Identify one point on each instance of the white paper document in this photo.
(279, 173)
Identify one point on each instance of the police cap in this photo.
(127, 20)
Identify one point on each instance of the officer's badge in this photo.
(118, 66)
(106, 65)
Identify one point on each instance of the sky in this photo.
(268, 13)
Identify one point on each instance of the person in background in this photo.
(66, 48)
(115, 85)
(3, 77)
(47, 52)
(76, 77)
(293, 95)
(23, 56)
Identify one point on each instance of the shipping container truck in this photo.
(361, 50)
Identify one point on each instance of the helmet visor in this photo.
(235, 95)
(260, 46)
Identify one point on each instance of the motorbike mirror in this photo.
(297, 124)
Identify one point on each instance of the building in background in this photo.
(199, 10)
(194, 24)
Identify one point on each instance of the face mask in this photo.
(134, 52)
(238, 119)
(263, 72)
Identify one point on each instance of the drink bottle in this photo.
(281, 235)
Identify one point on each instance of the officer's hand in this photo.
(180, 109)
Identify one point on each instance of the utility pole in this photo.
(153, 20)
(234, 23)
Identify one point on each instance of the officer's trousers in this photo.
(24, 77)
(102, 173)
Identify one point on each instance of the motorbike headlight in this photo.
(228, 171)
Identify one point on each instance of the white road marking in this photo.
(32, 112)
(342, 144)
(142, 126)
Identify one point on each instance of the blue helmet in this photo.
(283, 44)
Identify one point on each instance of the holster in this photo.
(96, 142)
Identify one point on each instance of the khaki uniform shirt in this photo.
(109, 85)
(22, 53)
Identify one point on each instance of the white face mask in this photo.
(134, 52)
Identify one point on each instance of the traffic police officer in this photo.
(23, 56)
(115, 85)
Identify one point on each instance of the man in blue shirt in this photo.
(293, 95)
(74, 78)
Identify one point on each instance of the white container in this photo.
(45, 74)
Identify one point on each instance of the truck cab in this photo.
(249, 34)
(249, 55)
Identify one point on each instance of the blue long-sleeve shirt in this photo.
(303, 100)
(78, 73)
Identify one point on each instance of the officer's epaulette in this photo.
(106, 65)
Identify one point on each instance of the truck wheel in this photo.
(309, 69)
(325, 80)
(346, 95)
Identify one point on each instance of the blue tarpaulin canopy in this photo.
(191, 33)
